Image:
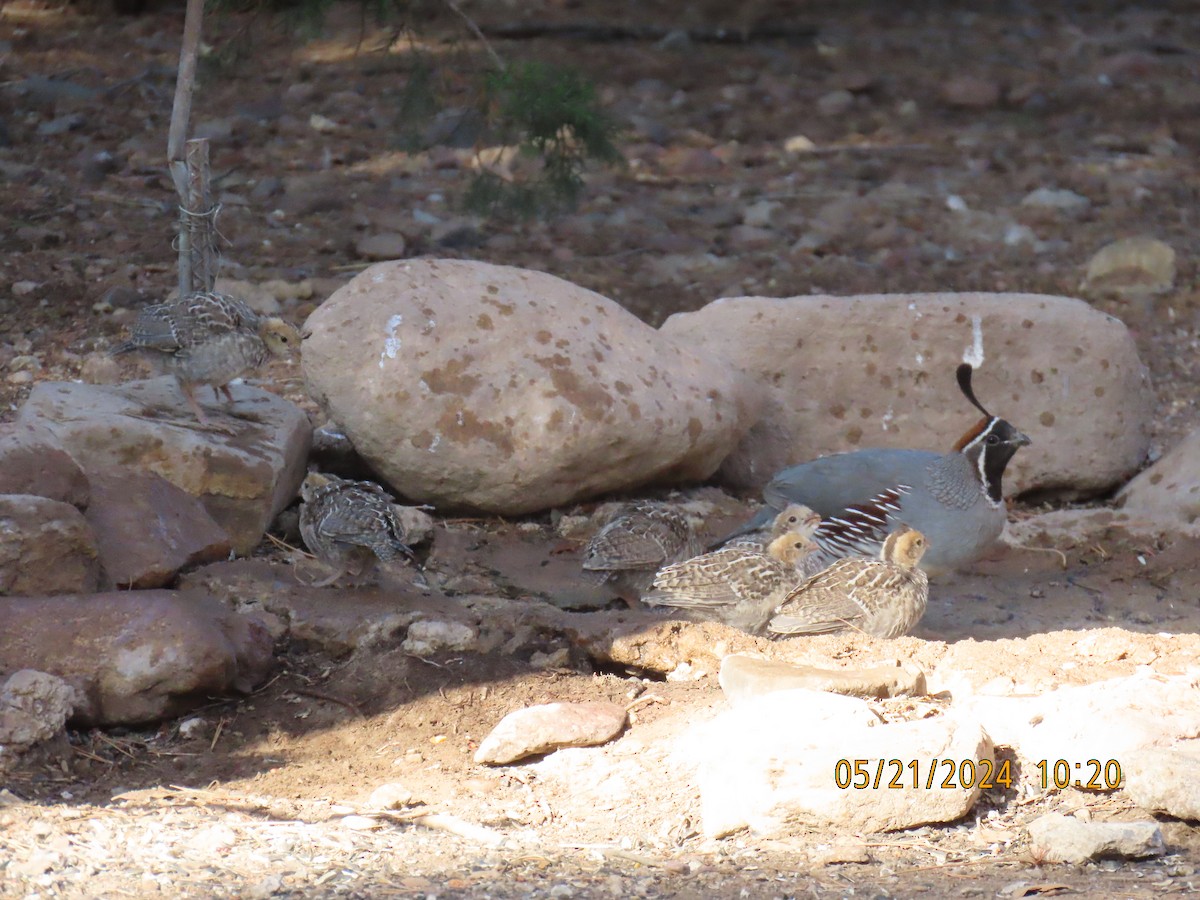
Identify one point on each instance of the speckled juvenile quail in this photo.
(794, 517)
(884, 597)
(955, 498)
(209, 338)
(740, 586)
(346, 523)
(635, 544)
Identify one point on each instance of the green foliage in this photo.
(550, 113)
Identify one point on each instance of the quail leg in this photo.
(205, 422)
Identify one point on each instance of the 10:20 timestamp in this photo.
(1061, 773)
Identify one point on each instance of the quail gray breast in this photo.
(955, 498)
(345, 523)
(209, 338)
(637, 542)
(884, 597)
(738, 585)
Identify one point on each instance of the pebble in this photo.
(1052, 198)
(970, 92)
(835, 103)
(385, 245)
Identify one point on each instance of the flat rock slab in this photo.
(470, 385)
(147, 529)
(243, 479)
(794, 758)
(135, 656)
(33, 461)
(744, 677)
(1058, 838)
(540, 729)
(46, 547)
(844, 373)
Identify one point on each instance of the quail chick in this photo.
(635, 544)
(346, 523)
(884, 597)
(209, 338)
(737, 585)
(796, 518)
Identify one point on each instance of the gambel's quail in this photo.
(884, 597)
(346, 523)
(796, 517)
(636, 543)
(740, 586)
(209, 338)
(954, 498)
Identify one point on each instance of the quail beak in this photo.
(1020, 439)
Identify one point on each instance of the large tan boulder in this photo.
(844, 373)
(243, 479)
(471, 385)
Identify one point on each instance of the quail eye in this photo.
(993, 439)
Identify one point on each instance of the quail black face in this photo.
(990, 445)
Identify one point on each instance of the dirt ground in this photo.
(257, 797)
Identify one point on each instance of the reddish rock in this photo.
(135, 656)
(147, 529)
(33, 461)
(46, 547)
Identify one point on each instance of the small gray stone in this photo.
(1059, 838)
(387, 245)
(539, 729)
(835, 103)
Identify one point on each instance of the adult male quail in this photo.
(740, 586)
(209, 338)
(955, 498)
(346, 523)
(637, 542)
(884, 597)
